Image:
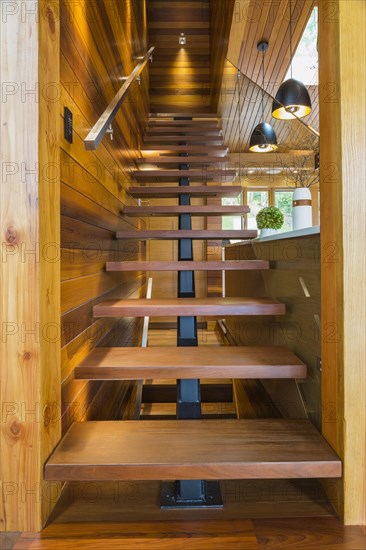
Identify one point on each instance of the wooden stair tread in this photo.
(139, 211)
(183, 160)
(210, 116)
(172, 234)
(199, 362)
(169, 409)
(150, 140)
(179, 123)
(211, 149)
(232, 265)
(192, 449)
(188, 307)
(194, 175)
(191, 130)
(193, 190)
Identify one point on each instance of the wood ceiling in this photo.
(253, 21)
(185, 79)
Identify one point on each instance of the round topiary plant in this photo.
(270, 218)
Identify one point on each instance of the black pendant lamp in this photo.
(263, 138)
(292, 97)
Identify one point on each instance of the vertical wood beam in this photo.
(30, 267)
(342, 85)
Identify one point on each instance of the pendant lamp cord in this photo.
(239, 107)
(263, 54)
(291, 36)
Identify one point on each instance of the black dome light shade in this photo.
(292, 98)
(263, 139)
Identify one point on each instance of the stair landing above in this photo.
(192, 449)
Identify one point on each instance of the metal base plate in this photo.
(169, 501)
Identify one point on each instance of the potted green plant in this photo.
(269, 220)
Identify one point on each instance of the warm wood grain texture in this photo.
(196, 116)
(252, 22)
(211, 150)
(150, 141)
(193, 190)
(202, 175)
(301, 518)
(189, 306)
(299, 329)
(180, 77)
(187, 266)
(182, 131)
(221, 17)
(204, 161)
(255, 449)
(343, 141)
(98, 46)
(170, 211)
(30, 307)
(201, 362)
(166, 234)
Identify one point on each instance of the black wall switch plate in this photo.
(68, 125)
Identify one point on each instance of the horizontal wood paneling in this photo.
(180, 76)
(99, 43)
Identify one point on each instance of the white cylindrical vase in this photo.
(302, 213)
(266, 232)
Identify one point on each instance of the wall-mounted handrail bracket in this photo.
(100, 128)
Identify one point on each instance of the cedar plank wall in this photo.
(221, 15)
(180, 77)
(98, 43)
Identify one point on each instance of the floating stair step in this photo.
(193, 190)
(162, 234)
(150, 141)
(186, 123)
(232, 265)
(155, 131)
(200, 160)
(192, 449)
(209, 410)
(220, 391)
(220, 175)
(196, 362)
(188, 307)
(210, 116)
(209, 149)
(140, 211)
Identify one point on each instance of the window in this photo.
(283, 201)
(232, 222)
(305, 60)
(256, 201)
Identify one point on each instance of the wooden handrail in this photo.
(99, 129)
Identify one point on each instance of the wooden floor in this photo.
(126, 515)
(258, 514)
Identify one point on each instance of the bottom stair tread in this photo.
(192, 449)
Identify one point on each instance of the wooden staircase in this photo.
(188, 448)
